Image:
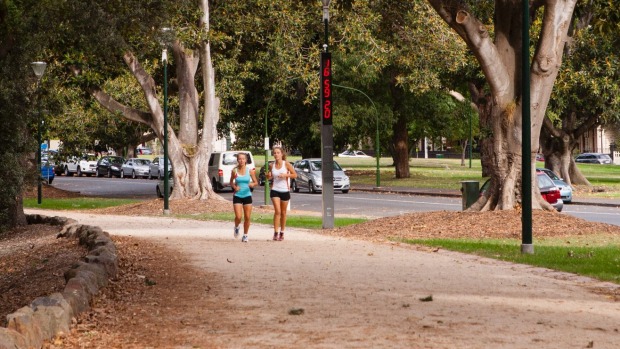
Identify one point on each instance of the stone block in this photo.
(10, 339)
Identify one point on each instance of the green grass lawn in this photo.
(294, 221)
(76, 203)
(598, 261)
(448, 173)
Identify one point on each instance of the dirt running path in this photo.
(363, 295)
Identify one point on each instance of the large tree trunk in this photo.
(15, 213)
(400, 133)
(211, 109)
(401, 148)
(500, 60)
(190, 150)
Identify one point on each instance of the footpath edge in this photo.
(45, 317)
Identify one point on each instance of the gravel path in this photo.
(363, 295)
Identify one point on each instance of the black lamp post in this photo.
(327, 130)
(39, 70)
(166, 39)
(527, 247)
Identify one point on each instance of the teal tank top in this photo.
(243, 182)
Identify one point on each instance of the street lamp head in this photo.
(326, 10)
(166, 37)
(39, 68)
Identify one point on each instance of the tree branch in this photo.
(588, 124)
(548, 125)
(459, 97)
(115, 107)
(556, 19)
(477, 38)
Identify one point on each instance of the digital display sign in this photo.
(326, 88)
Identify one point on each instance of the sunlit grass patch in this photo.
(601, 261)
(76, 203)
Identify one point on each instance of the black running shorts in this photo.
(284, 196)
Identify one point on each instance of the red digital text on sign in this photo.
(327, 109)
(327, 90)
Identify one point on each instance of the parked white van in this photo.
(221, 165)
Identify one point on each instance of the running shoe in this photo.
(244, 238)
(236, 232)
(281, 236)
(275, 236)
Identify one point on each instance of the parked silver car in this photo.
(157, 167)
(593, 158)
(309, 176)
(135, 167)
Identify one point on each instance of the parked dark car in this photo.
(109, 166)
(159, 188)
(262, 175)
(593, 158)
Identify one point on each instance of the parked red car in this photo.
(547, 189)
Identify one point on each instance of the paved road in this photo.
(359, 203)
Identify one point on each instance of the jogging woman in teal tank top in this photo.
(242, 179)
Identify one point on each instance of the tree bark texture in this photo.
(401, 148)
(15, 213)
(400, 132)
(500, 112)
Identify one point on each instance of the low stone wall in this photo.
(45, 317)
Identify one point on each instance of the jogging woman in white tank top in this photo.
(280, 171)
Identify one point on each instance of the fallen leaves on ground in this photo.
(474, 225)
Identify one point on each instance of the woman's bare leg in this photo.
(277, 213)
(247, 211)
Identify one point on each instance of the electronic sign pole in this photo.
(327, 130)
(327, 141)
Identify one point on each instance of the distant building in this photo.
(599, 140)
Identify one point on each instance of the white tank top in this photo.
(279, 184)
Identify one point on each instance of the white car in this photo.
(353, 154)
(87, 165)
(221, 165)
